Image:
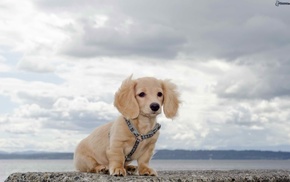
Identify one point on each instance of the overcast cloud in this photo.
(62, 61)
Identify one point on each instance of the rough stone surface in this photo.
(180, 176)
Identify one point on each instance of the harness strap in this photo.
(139, 137)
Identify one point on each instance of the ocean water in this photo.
(11, 166)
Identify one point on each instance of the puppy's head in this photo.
(145, 96)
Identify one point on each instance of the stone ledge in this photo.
(180, 176)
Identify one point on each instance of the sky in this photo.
(61, 63)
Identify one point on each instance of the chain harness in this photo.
(139, 137)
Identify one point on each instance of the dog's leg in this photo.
(85, 163)
(116, 161)
(143, 162)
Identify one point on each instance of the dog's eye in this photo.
(142, 94)
(159, 94)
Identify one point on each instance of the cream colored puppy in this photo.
(139, 102)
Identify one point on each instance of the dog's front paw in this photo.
(119, 171)
(131, 169)
(101, 169)
(147, 172)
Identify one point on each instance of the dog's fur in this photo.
(104, 150)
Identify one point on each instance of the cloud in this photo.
(37, 64)
(3, 67)
(190, 29)
(82, 102)
(127, 39)
(85, 100)
(255, 81)
(61, 64)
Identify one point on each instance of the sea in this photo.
(8, 167)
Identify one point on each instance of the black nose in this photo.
(154, 106)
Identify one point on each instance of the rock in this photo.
(180, 176)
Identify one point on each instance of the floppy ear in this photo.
(125, 100)
(171, 99)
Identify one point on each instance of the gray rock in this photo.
(180, 176)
